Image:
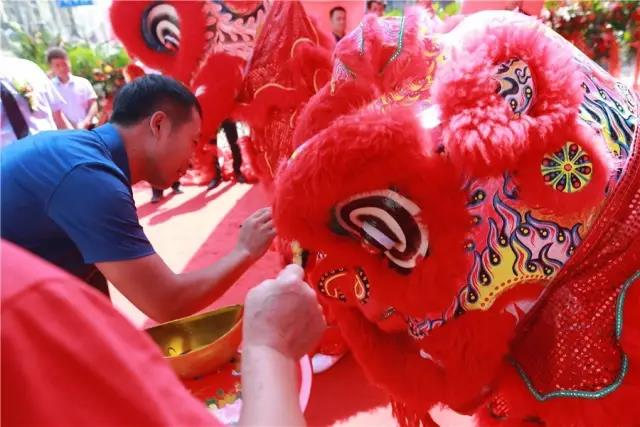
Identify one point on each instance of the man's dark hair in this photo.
(336, 9)
(144, 96)
(371, 3)
(56, 53)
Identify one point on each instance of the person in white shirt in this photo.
(29, 103)
(81, 98)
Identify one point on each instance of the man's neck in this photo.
(135, 155)
(65, 79)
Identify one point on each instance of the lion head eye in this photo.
(385, 222)
(161, 28)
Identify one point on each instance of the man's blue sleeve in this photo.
(95, 208)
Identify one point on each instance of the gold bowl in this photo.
(200, 344)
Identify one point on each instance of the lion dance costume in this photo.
(469, 197)
(471, 193)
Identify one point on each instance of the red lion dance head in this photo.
(471, 196)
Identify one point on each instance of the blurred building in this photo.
(73, 19)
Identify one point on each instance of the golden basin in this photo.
(200, 344)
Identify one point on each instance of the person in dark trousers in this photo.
(231, 132)
(157, 193)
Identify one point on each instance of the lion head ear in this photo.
(503, 95)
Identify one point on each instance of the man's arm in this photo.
(282, 322)
(61, 120)
(163, 295)
(96, 210)
(56, 102)
(91, 104)
(92, 110)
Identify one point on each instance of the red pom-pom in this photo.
(480, 131)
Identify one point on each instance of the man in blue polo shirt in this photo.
(66, 196)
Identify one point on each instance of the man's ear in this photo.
(158, 121)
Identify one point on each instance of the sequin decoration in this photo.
(509, 245)
(568, 170)
(601, 392)
(515, 85)
(361, 287)
(336, 284)
(329, 289)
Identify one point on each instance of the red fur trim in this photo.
(408, 418)
(536, 194)
(388, 149)
(467, 354)
(216, 86)
(392, 361)
(480, 132)
(471, 348)
(366, 67)
(450, 23)
(126, 20)
(324, 107)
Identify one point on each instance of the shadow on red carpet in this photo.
(149, 208)
(337, 394)
(191, 205)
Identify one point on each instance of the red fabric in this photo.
(290, 63)
(69, 359)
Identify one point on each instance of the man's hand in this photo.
(284, 315)
(256, 234)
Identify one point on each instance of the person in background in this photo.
(84, 364)
(158, 193)
(375, 6)
(79, 212)
(29, 103)
(338, 16)
(230, 129)
(81, 99)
